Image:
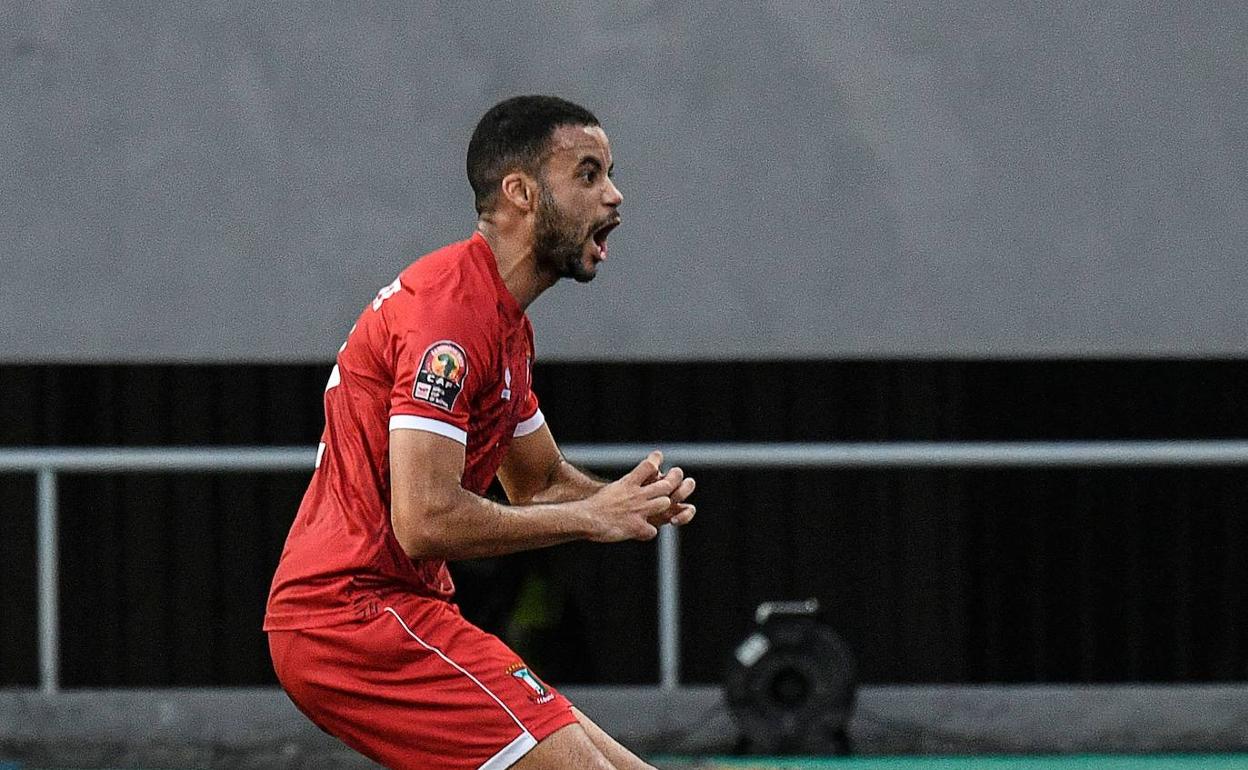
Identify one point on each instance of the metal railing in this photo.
(48, 463)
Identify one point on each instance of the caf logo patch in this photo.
(443, 368)
(533, 687)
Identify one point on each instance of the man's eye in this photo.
(590, 175)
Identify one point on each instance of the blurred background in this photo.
(846, 224)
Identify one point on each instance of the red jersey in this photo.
(445, 349)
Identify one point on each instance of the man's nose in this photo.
(614, 197)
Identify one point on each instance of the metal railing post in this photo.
(48, 570)
(669, 607)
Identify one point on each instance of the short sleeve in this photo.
(434, 381)
(535, 417)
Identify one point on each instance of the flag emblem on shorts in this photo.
(537, 692)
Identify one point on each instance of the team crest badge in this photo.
(533, 687)
(443, 368)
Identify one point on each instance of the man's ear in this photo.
(521, 190)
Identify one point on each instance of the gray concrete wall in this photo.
(237, 729)
(252, 729)
(225, 181)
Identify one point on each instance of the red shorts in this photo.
(417, 686)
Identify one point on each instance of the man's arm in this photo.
(434, 517)
(535, 471)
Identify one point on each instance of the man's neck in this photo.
(517, 262)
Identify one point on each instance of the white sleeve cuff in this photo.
(528, 426)
(412, 422)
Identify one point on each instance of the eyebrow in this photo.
(592, 161)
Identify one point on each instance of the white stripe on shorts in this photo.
(512, 751)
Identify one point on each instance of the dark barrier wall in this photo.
(983, 576)
(225, 181)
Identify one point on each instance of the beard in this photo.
(558, 243)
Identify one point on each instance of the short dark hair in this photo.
(512, 135)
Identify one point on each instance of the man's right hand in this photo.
(621, 510)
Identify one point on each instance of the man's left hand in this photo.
(680, 512)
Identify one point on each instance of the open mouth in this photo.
(600, 236)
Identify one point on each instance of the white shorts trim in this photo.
(412, 422)
(511, 753)
(475, 681)
(528, 426)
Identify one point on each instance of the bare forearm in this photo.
(433, 516)
(567, 483)
(467, 526)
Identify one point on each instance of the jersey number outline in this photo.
(335, 375)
